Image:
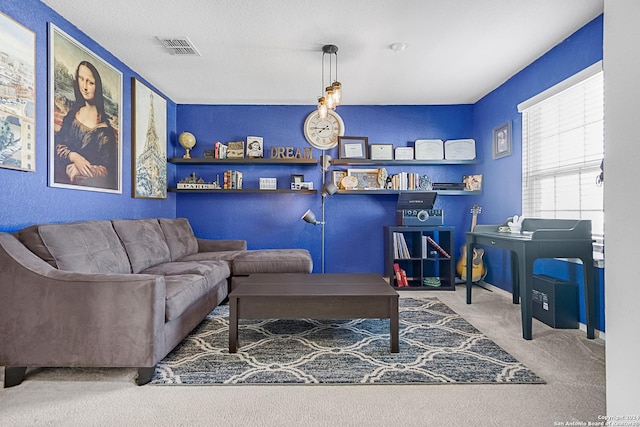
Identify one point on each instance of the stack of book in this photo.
(232, 180)
(400, 248)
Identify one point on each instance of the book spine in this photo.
(438, 247)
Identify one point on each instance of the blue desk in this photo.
(540, 238)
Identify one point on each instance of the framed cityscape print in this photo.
(17, 96)
(85, 117)
(149, 142)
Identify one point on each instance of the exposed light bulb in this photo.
(329, 93)
(322, 108)
(337, 93)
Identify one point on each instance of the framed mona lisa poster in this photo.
(85, 112)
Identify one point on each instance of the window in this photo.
(562, 149)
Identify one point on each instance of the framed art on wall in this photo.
(18, 96)
(502, 140)
(85, 117)
(353, 147)
(149, 143)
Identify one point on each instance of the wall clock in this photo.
(323, 133)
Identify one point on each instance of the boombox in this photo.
(420, 217)
(416, 208)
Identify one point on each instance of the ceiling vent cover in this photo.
(179, 46)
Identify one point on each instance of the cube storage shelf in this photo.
(423, 260)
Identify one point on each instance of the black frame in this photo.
(345, 141)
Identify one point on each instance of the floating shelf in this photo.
(246, 191)
(212, 161)
(369, 162)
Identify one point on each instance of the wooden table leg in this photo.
(393, 325)
(233, 325)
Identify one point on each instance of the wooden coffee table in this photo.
(313, 296)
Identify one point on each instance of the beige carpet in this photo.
(572, 366)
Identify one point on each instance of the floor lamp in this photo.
(327, 190)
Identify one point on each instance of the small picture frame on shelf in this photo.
(336, 177)
(472, 182)
(381, 151)
(404, 153)
(255, 148)
(367, 178)
(353, 147)
(429, 149)
(502, 140)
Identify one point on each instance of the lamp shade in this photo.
(329, 189)
(310, 217)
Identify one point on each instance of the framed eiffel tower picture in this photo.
(149, 142)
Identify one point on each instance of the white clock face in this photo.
(323, 133)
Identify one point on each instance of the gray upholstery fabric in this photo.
(85, 247)
(30, 237)
(144, 241)
(183, 291)
(212, 256)
(208, 245)
(213, 271)
(179, 236)
(272, 261)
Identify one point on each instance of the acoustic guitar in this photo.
(478, 269)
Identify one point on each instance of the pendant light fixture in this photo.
(332, 94)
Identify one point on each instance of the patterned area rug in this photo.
(436, 346)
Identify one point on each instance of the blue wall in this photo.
(501, 197)
(27, 198)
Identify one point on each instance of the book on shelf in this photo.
(400, 275)
(235, 150)
(437, 247)
(232, 180)
(400, 247)
(219, 151)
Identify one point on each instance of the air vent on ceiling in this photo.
(179, 46)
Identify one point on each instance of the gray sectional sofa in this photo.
(120, 293)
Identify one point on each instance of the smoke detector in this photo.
(179, 46)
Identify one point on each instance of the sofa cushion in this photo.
(144, 242)
(85, 247)
(30, 237)
(272, 261)
(213, 271)
(179, 236)
(212, 256)
(183, 291)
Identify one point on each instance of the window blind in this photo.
(562, 148)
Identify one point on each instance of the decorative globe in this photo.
(187, 140)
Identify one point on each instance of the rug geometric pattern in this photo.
(437, 346)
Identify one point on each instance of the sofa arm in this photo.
(50, 317)
(207, 245)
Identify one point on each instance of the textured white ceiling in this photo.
(269, 51)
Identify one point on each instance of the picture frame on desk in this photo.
(502, 140)
(353, 147)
